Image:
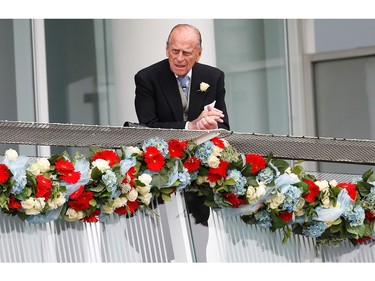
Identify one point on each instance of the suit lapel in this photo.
(197, 99)
(171, 92)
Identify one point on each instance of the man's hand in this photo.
(207, 120)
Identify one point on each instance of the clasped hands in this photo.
(207, 120)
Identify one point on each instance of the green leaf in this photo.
(297, 170)
(287, 233)
(159, 180)
(3, 202)
(366, 175)
(96, 174)
(280, 164)
(165, 197)
(363, 188)
(97, 188)
(230, 181)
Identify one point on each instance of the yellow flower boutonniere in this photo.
(203, 87)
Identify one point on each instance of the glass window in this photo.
(252, 54)
(16, 75)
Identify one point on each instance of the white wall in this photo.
(138, 43)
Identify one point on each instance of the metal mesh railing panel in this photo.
(281, 146)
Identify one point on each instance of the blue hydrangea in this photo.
(314, 230)
(184, 178)
(370, 198)
(110, 180)
(355, 216)
(240, 182)
(265, 175)
(159, 143)
(292, 195)
(263, 219)
(203, 151)
(219, 200)
(20, 181)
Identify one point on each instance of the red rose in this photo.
(14, 203)
(176, 148)
(82, 202)
(257, 162)
(4, 173)
(70, 177)
(129, 209)
(192, 164)
(218, 142)
(234, 200)
(313, 191)
(43, 187)
(130, 176)
(92, 217)
(62, 165)
(363, 239)
(214, 174)
(154, 159)
(369, 216)
(350, 187)
(108, 155)
(286, 216)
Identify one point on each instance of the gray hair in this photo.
(185, 25)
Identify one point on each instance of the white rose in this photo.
(261, 190)
(226, 143)
(276, 201)
(213, 161)
(145, 178)
(43, 164)
(325, 201)
(250, 194)
(11, 154)
(125, 188)
(144, 189)
(201, 180)
(299, 207)
(333, 183)
(33, 206)
(212, 184)
(34, 169)
(322, 184)
(119, 202)
(101, 164)
(73, 215)
(132, 195)
(108, 208)
(203, 87)
(146, 199)
(216, 151)
(56, 202)
(132, 150)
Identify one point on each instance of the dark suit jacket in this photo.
(158, 101)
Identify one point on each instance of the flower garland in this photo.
(266, 192)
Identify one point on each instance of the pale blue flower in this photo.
(203, 151)
(314, 230)
(240, 182)
(184, 178)
(265, 175)
(292, 195)
(19, 177)
(159, 143)
(263, 219)
(355, 216)
(110, 180)
(370, 198)
(18, 169)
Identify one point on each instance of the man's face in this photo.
(183, 51)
